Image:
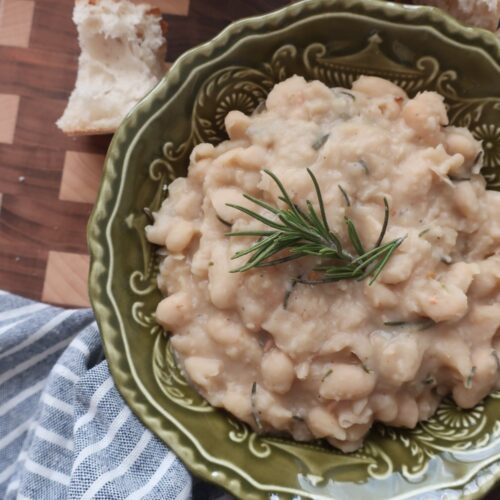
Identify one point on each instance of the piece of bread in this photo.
(479, 13)
(122, 57)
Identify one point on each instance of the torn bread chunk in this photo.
(480, 13)
(122, 57)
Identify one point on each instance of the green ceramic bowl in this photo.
(456, 453)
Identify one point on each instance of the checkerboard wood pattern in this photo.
(48, 182)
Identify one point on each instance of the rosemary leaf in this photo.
(294, 233)
(365, 368)
(289, 291)
(260, 107)
(384, 224)
(494, 353)
(345, 195)
(326, 375)
(255, 413)
(228, 224)
(354, 237)
(458, 179)
(364, 166)
(348, 94)
(395, 323)
(319, 143)
(470, 378)
(149, 214)
(419, 325)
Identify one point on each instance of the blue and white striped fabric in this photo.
(65, 431)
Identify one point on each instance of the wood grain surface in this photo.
(48, 181)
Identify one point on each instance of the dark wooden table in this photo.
(48, 182)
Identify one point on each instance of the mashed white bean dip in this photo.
(326, 361)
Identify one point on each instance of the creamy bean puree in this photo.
(327, 360)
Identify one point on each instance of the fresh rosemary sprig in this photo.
(295, 233)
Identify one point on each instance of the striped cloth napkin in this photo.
(65, 431)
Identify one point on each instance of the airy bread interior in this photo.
(479, 13)
(122, 57)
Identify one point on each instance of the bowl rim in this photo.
(433, 17)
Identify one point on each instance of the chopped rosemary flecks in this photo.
(430, 380)
(420, 325)
(345, 92)
(298, 418)
(396, 323)
(255, 413)
(225, 222)
(494, 353)
(210, 264)
(327, 374)
(149, 214)
(319, 143)
(364, 166)
(365, 368)
(260, 107)
(306, 233)
(425, 231)
(458, 179)
(289, 291)
(477, 160)
(470, 378)
(345, 195)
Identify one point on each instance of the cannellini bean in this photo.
(407, 412)
(221, 197)
(399, 359)
(384, 406)
(237, 124)
(487, 320)
(398, 269)
(237, 401)
(461, 141)
(453, 353)
(461, 275)
(179, 235)
(380, 295)
(377, 87)
(488, 279)
(271, 410)
(222, 284)
(201, 370)
(277, 371)
(223, 330)
(426, 114)
(189, 205)
(323, 423)
(441, 302)
(173, 311)
(157, 232)
(202, 151)
(465, 199)
(346, 382)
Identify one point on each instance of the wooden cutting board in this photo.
(48, 182)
